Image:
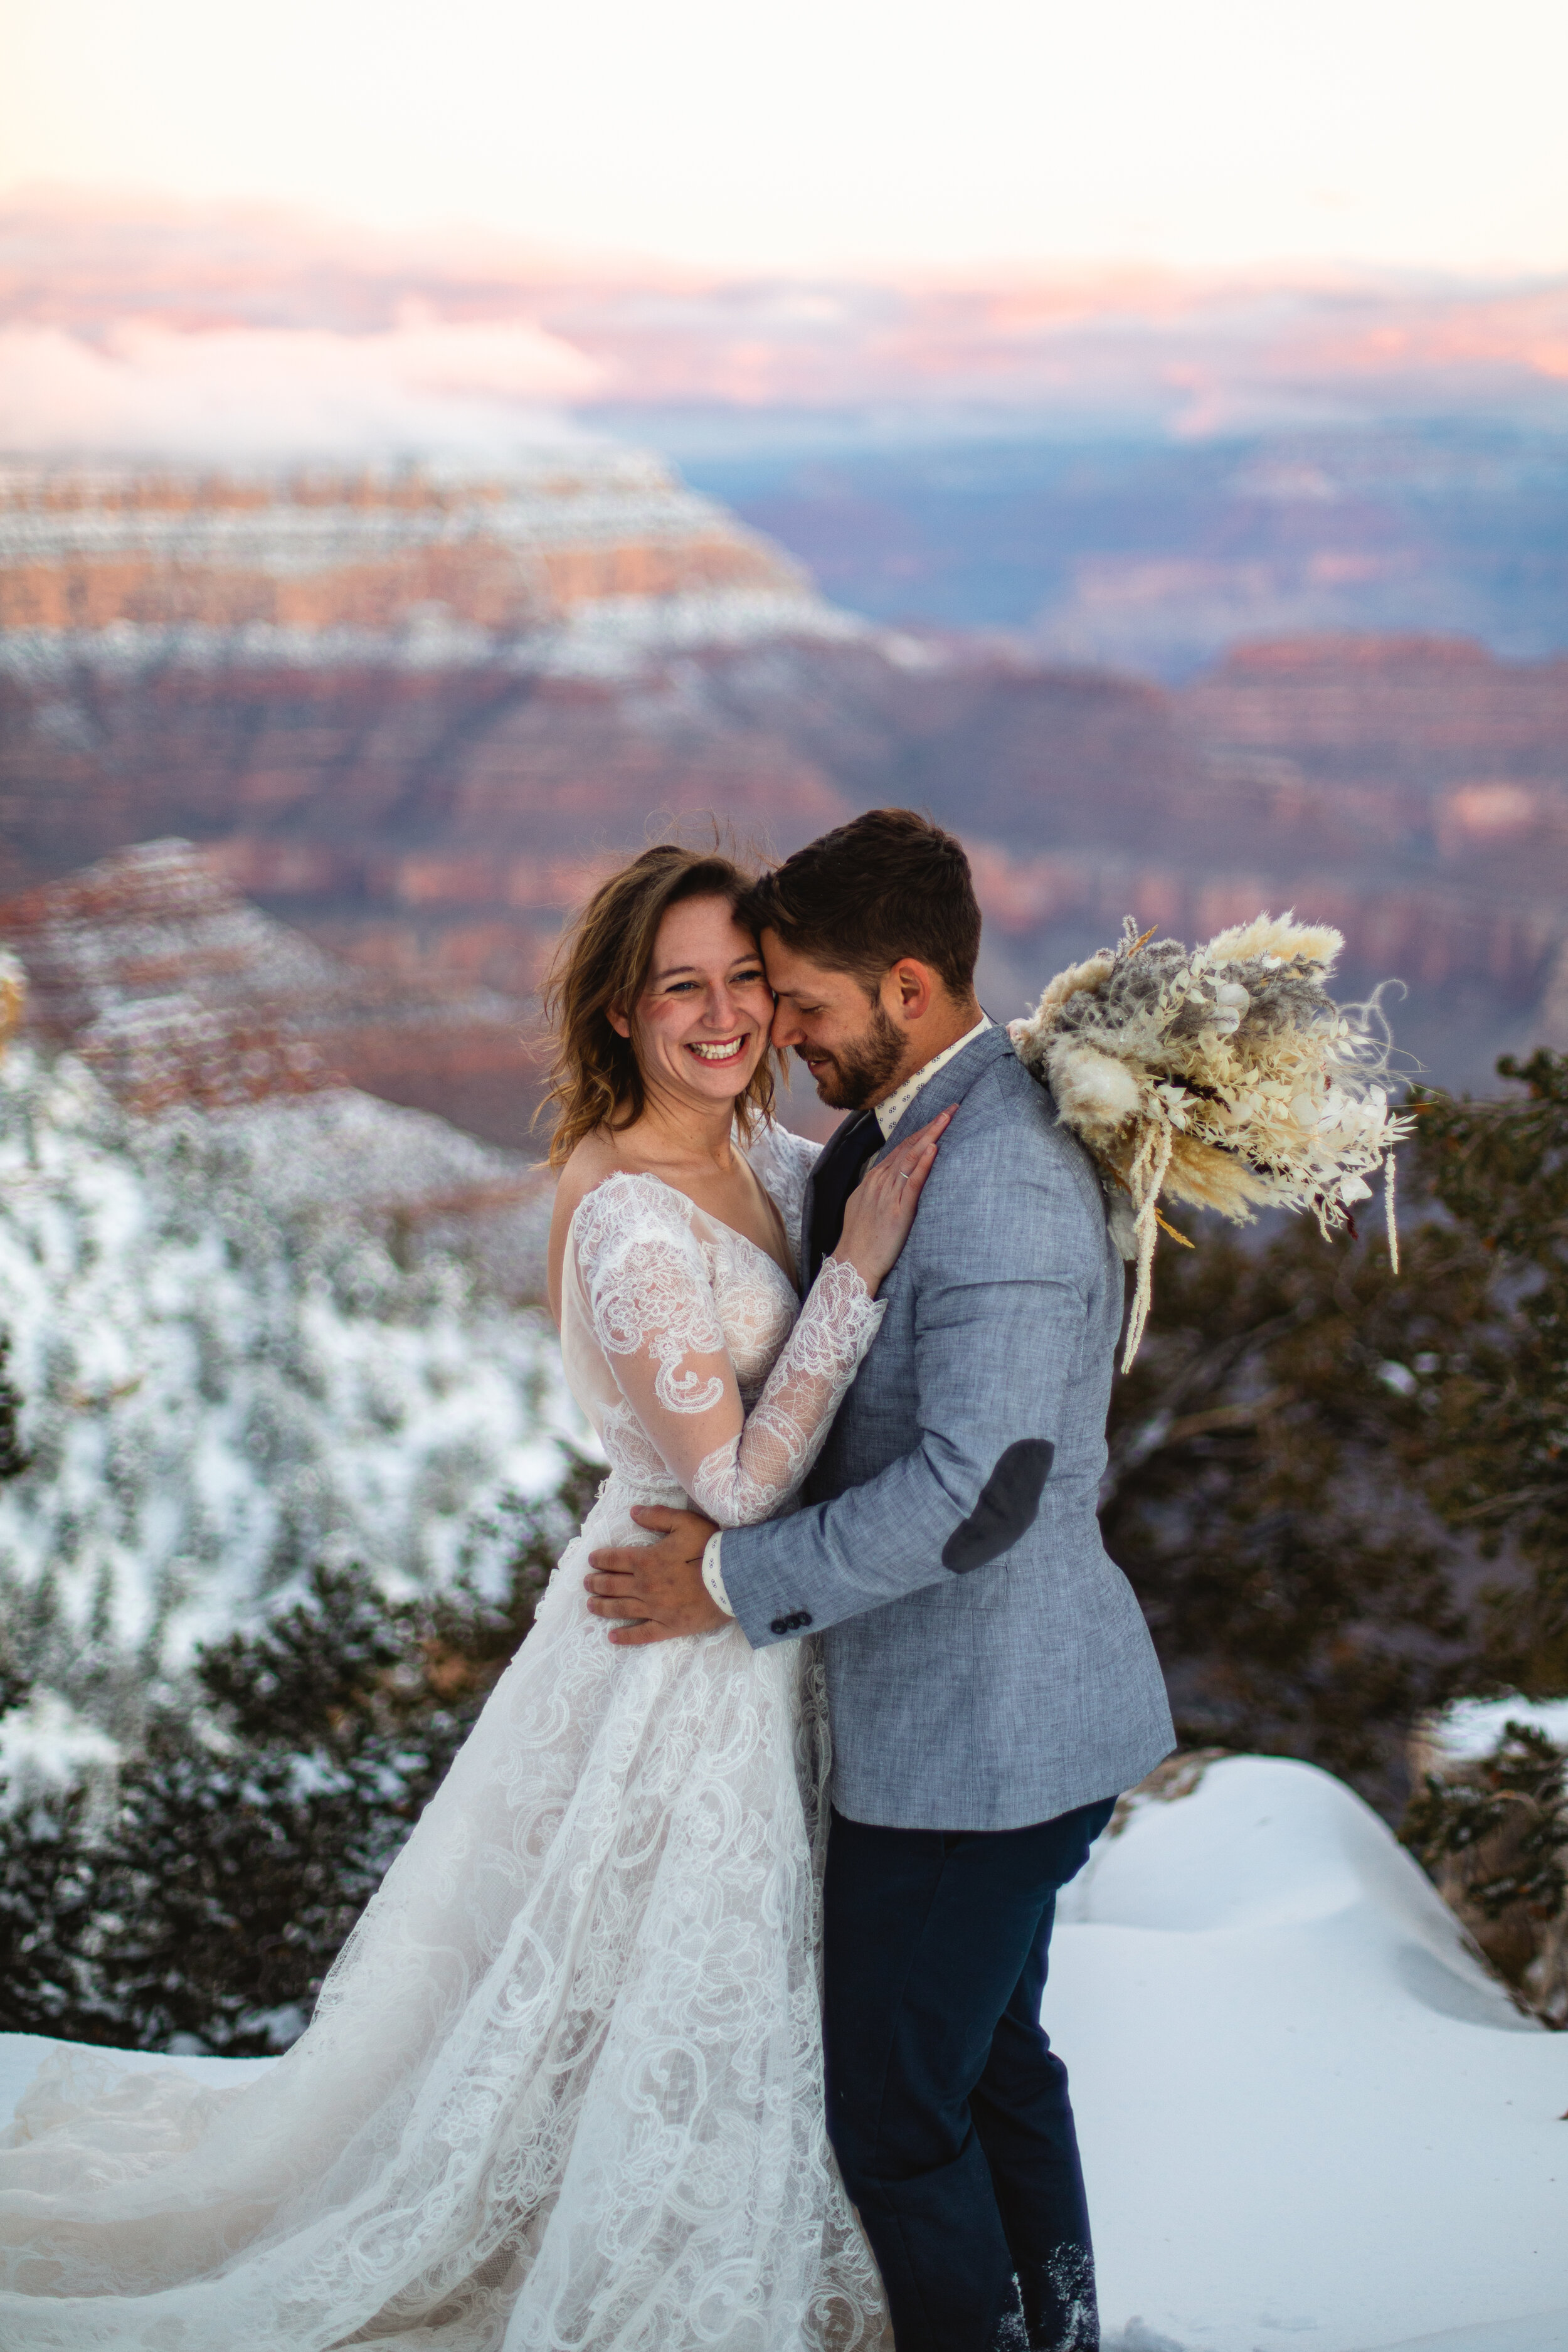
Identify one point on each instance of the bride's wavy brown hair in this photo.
(602, 966)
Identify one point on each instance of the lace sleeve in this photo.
(655, 1318)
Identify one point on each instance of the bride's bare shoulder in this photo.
(592, 1161)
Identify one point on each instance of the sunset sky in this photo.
(833, 134)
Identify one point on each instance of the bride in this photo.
(563, 2091)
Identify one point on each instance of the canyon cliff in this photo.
(414, 716)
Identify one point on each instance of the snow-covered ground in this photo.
(1310, 2120)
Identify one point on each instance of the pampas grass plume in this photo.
(1227, 1078)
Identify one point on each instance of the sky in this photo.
(832, 134)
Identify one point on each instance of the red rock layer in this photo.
(438, 821)
(83, 552)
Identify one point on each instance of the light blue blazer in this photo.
(987, 1664)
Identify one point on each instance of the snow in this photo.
(1543, 2331)
(1471, 1730)
(614, 636)
(46, 1744)
(307, 1154)
(602, 637)
(1310, 2121)
(217, 1389)
(585, 496)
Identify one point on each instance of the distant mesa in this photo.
(116, 564)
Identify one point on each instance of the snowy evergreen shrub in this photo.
(1494, 1835)
(1343, 1495)
(202, 1907)
(14, 1456)
(216, 1389)
(1496, 1458)
(1304, 1593)
(215, 1402)
(13, 1459)
(54, 1881)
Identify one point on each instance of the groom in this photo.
(992, 1686)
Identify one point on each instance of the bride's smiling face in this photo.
(700, 1026)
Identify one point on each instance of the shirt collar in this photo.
(888, 1113)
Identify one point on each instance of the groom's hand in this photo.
(656, 1589)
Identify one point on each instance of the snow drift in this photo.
(1309, 2117)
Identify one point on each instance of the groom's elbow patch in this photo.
(1008, 1503)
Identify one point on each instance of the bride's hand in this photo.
(881, 1208)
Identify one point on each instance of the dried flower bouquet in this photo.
(1227, 1077)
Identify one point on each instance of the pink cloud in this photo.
(422, 382)
(225, 318)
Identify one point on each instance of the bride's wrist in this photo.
(869, 1276)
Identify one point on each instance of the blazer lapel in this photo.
(951, 1082)
(803, 1236)
(831, 1159)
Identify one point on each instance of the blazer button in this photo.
(782, 1625)
(803, 1616)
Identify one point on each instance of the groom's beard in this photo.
(847, 1079)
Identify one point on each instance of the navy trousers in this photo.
(947, 2107)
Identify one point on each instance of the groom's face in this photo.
(853, 1048)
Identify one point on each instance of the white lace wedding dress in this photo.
(563, 2092)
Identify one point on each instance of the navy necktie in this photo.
(837, 1172)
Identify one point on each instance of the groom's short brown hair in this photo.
(886, 885)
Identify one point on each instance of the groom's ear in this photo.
(910, 986)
